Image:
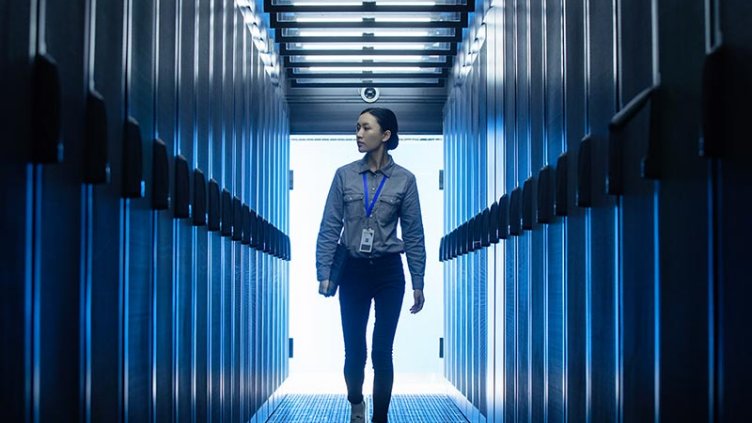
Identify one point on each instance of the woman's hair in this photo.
(388, 122)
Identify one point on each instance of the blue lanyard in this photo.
(369, 208)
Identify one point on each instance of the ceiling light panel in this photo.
(352, 61)
(406, 33)
(373, 80)
(349, 17)
(360, 69)
(371, 59)
(358, 43)
(325, 83)
(359, 3)
(405, 6)
(359, 76)
(367, 46)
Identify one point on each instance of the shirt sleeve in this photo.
(412, 234)
(330, 229)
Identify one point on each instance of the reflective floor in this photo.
(334, 408)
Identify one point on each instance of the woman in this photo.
(367, 198)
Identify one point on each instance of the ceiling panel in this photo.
(364, 70)
(332, 49)
(369, 20)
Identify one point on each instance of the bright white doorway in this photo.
(315, 323)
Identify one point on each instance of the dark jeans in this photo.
(383, 280)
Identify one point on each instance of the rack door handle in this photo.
(237, 219)
(47, 143)
(133, 171)
(182, 189)
(96, 160)
(528, 204)
(585, 173)
(254, 230)
(504, 216)
(486, 228)
(545, 195)
(515, 212)
(199, 198)
(561, 205)
(246, 239)
(160, 197)
(227, 214)
(713, 107)
(617, 138)
(214, 203)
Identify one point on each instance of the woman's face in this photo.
(369, 134)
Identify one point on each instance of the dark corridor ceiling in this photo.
(330, 50)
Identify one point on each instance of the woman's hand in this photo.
(324, 287)
(419, 301)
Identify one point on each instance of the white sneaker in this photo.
(358, 414)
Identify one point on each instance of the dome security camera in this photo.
(369, 94)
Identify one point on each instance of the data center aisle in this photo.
(334, 408)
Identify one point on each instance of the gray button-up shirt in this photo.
(345, 207)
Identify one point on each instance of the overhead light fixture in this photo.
(406, 3)
(376, 59)
(351, 69)
(405, 47)
(356, 46)
(327, 3)
(406, 34)
(360, 3)
(310, 33)
(401, 19)
(327, 20)
(381, 33)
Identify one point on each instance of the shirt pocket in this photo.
(388, 208)
(353, 206)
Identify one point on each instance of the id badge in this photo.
(366, 241)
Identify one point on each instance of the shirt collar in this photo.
(386, 169)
